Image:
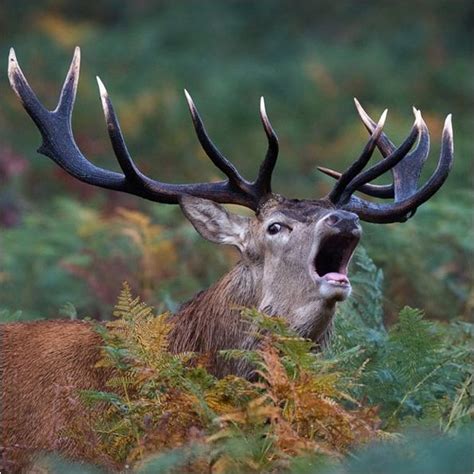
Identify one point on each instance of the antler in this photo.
(405, 167)
(59, 145)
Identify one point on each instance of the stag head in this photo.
(298, 250)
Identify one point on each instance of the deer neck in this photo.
(212, 321)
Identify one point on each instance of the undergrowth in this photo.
(303, 412)
(160, 401)
(414, 370)
(165, 412)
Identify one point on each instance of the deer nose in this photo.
(343, 220)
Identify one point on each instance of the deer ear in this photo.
(214, 222)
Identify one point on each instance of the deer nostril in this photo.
(333, 219)
(343, 220)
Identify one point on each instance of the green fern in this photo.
(412, 372)
(302, 400)
(366, 302)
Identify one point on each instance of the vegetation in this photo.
(66, 248)
(304, 410)
(309, 59)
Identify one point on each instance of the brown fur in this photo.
(211, 321)
(44, 364)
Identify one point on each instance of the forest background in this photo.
(66, 248)
(309, 59)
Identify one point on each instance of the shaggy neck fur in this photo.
(212, 320)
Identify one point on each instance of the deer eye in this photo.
(274, 228)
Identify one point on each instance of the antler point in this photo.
(189, 100)
(359, 107)
(366, 120)
(76, 59)
(102, 89)
(104, 97)
(12, 55)
(448, 124)
(12, 61)
(418, 118)
(382, 119)
(14, 72)
(188, 96)
(263, 110)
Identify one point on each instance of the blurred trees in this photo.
(308, 58)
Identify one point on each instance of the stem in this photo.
(457, 403)
(413, 390)
(137, 436)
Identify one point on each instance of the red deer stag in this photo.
(294, 256)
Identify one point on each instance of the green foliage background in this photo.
(65, 248)
(307, 58)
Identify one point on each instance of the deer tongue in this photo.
(339, 277)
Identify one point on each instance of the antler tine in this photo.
(375, 190)
(384, 144)
(405, 173)
(384, 165)
(55, 126)
(24, 92)
(69, 89)
(211, 150)
(115, 134)
(353, 170)
(263, 181)
(139, 183)
(405, 208)
(59, 144)
(385, 147)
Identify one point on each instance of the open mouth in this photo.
(333, 257)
